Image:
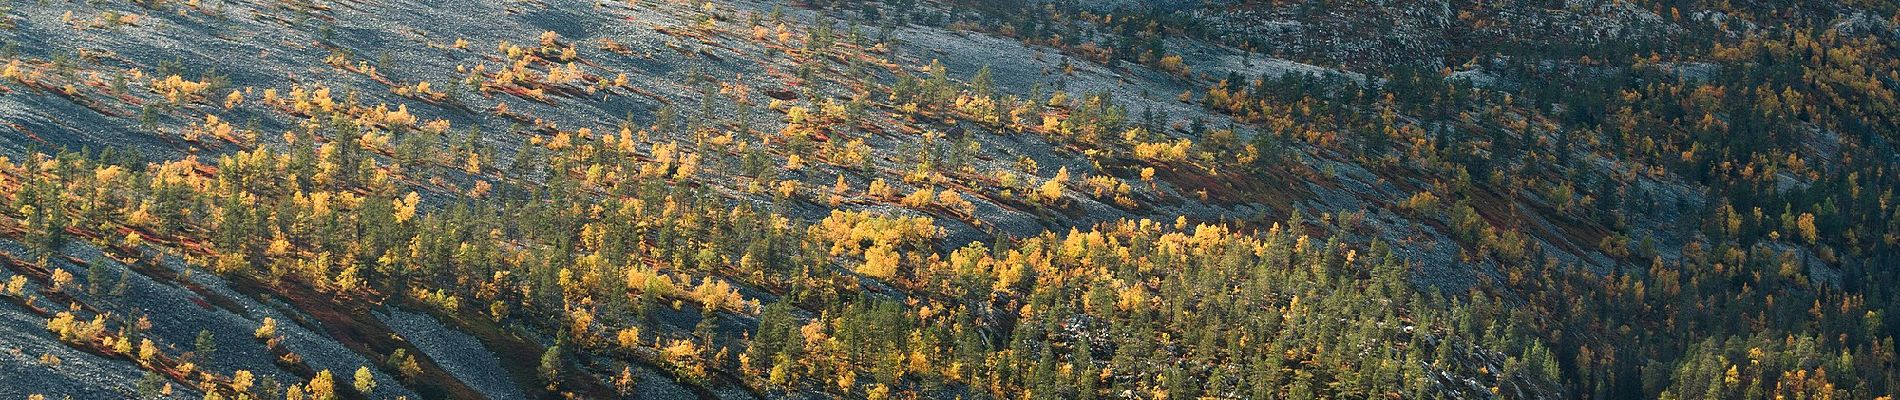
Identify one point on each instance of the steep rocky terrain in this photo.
(944, 199)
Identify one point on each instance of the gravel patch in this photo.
(77, 374)
(460, 354)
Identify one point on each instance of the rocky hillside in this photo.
(947, 199)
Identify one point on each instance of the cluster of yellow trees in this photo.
(877, 239)
(180, 90)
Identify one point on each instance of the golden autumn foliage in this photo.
(1051, 190)
(582, 237)
(179, 90)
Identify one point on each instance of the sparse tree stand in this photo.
(865, 309)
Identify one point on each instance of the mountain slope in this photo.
(546, 199)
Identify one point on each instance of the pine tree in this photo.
(205, 345)
(149, 385)
(551, 365)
